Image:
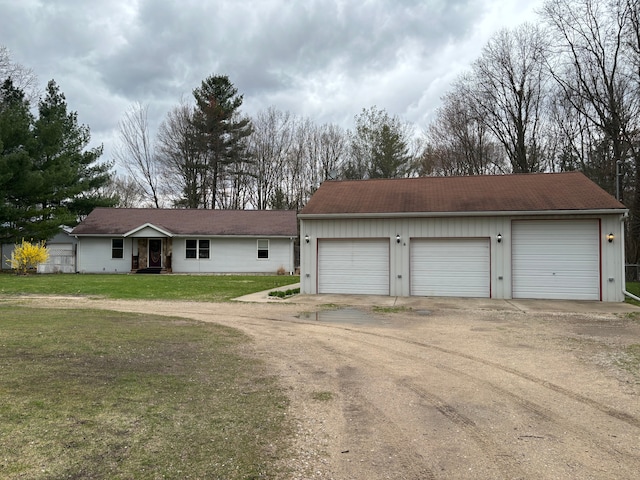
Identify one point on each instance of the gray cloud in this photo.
(326, 59)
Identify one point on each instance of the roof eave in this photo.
(236, 235)
(110, 235)
(191, 235)
(500, 213)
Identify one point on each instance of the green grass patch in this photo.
(94, 394)
(635, 316)
(634, 288)
(322, 396)
(211, 288)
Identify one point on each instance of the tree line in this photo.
(207, 154)
(557, 95)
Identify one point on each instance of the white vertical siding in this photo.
(613, 260)
(399, 254)
(612, 257)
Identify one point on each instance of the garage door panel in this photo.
(556, 259)
(355, 266)
(450, 267)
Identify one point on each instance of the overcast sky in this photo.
(322, 59)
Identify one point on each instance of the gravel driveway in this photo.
(444, 389)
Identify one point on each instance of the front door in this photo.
(155, 253)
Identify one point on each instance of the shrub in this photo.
(284, 293)
(28, 255)
(281, 271)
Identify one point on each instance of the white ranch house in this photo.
(123, 240)
(547, 236)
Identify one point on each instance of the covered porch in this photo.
(151, 249)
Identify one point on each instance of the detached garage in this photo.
(548, 236)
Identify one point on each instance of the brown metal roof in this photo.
(118, 221)
(473, 194)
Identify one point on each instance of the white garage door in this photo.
(353, 266)
(61, 259)
(556, 259)
(450, 267)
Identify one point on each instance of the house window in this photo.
(263, 248)
(192, 249)
(117, 248)
(197, 249)
(203, 249)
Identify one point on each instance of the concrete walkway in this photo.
(432, 303)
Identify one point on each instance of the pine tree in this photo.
(18, 178)
(47, 177)
(223, 132)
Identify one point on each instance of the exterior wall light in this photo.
(610, 237)
(499, 237)
(397, 238)
(306, 238)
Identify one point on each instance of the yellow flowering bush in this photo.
(28, 255)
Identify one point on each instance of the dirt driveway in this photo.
(462, 390)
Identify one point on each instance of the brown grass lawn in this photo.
(104, 395)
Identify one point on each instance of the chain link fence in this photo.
(632, 272)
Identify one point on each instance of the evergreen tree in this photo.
(222, 131)
(47, 176)
(18, 178)
(379, 147)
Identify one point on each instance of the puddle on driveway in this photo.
(351, 316)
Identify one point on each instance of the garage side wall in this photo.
(488, 228)
(612, 258)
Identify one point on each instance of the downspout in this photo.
(632, 296)
(624, 270)
(75, 252)
(292, 255)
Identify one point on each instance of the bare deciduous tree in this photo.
(126, 190)
(327, 150)
(23, 78)
(508, 90)
(594, 68)
(458, 142)
(184, 164)
(135, 152)
(269, 145)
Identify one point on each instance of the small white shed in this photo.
(548, 236)
(62, 253)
